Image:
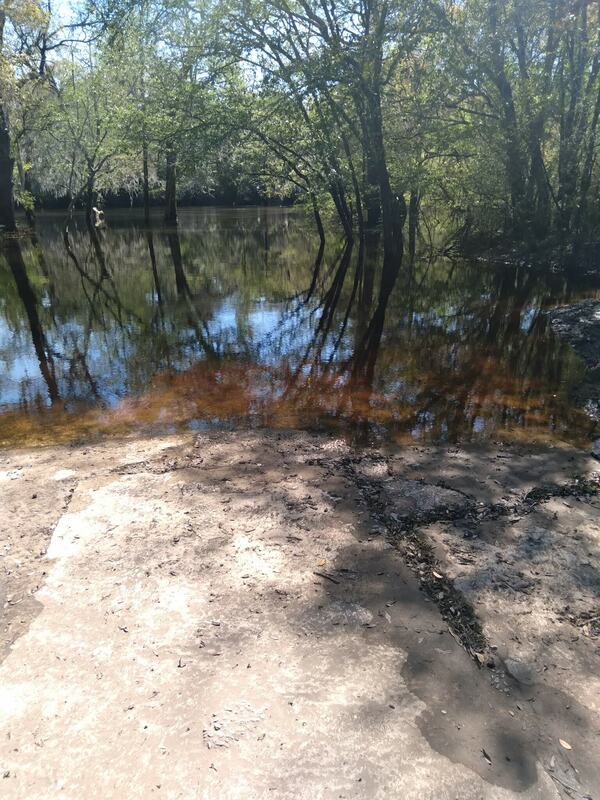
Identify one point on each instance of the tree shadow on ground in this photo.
(463, 717)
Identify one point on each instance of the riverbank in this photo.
(277, 614)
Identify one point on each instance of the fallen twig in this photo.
(327, 577)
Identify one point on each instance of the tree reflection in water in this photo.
(248, 317)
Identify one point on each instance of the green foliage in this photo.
(488, 110)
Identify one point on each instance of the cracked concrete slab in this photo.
(221, 617)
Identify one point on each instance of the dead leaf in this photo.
(486, 756)
(454, 636)
(321, 563)
(564, 744)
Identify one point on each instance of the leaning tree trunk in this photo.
(7, 206)
(171, 187)
(318, 219)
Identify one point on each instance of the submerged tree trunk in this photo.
(180, 279)
(171, 187)
(154, 269)
(97, 245)
(318, 220)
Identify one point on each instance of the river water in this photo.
(240, 318)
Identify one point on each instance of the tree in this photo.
(336, 61)
(476, 115)
(530, 71)
(14, 14)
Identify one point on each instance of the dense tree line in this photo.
(478, 117)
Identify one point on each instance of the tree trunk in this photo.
(146, 188)
(413, 221)
(336, 190)
(372, 203)
(371, 199)
(514, 155)
(25, 179)
(357, 193)
(7, 207)
(539, 192)
(180, 279)
(7, 203)
(171, 187)
(89, 199)
(587, 167)
(514, 160)
(393, 207)
(318, 220)
(154, 269)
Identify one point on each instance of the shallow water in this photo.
(239, 319)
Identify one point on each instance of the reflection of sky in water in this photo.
(21, 372)
(528, 318)
(462, 347)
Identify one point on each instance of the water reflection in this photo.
(29, 302)
(246, 317)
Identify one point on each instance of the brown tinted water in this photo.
(240, 319)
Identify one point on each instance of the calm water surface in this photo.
(239, 318)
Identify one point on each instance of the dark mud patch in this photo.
(505, 741)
